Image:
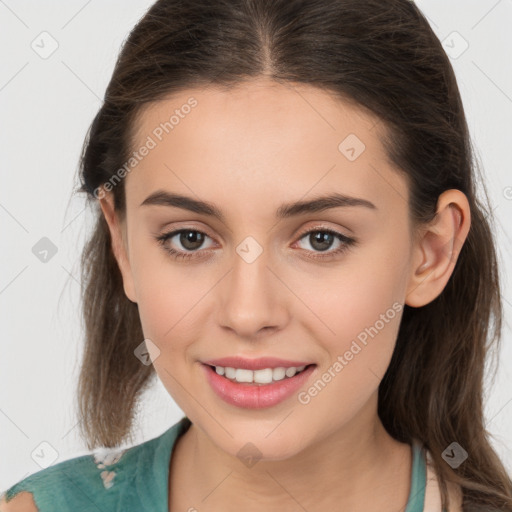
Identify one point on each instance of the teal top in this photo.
(136, 479)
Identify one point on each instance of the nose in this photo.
(252, 298)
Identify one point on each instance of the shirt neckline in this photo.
(416, 500)
(153, 467)
(158, 483)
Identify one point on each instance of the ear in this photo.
(437, 248)
(119, 246)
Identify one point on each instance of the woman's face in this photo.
(255, 284)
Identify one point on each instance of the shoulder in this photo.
(87, 482)
(23, 502)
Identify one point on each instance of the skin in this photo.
(248, 151)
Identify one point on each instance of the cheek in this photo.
(360, 313)
(171, 297)
(357, 290)
(160, 284)
(169, 302)
(166, 305)
(166, 290)
(357, 314)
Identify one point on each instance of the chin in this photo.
(258, 448)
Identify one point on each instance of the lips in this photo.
(257, 396)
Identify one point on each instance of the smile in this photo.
(257, 389)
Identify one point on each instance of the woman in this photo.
(288, 235)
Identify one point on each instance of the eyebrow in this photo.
(319, 204)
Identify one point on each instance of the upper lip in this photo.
(255, 364)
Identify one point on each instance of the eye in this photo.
(189, 239)
(321, 240)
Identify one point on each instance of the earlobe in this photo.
(118, 245)
(437, 250)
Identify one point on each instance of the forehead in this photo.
(284, 140)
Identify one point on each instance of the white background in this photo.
(46, 106)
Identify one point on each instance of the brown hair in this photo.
(385, 57)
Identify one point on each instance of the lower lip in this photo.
(255, 396)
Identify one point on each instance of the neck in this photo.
(354, 469)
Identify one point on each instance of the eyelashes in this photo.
(344, 241)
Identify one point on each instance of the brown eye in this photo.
(321, 240)
(191, 240)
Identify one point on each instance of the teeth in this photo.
(265, 376)
(278, 373)
(245, 375)
(229, 373)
